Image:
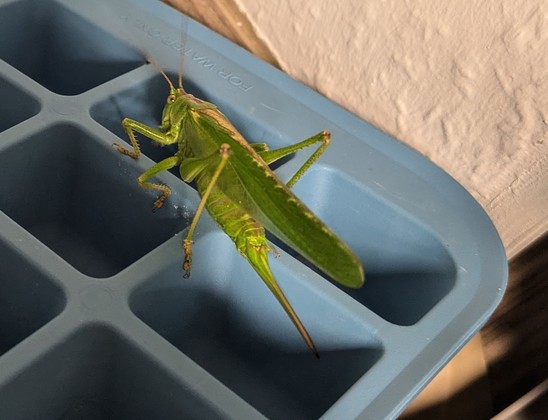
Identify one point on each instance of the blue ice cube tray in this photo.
(96, 320)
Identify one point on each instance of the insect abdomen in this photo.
(235, 221)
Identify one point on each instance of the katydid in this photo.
(241, 193)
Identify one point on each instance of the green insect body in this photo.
(241, 193)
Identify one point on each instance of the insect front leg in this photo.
(190, 168)
(131, 127)
(270, 156)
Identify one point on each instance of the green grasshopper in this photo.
(241, 193)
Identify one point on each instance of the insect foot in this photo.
(126, 152)
(166, 191)
(187, 263)
(159, 203)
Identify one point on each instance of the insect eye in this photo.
(170, 98)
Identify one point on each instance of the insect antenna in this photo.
(162, 72)
(181, 57)
(184, 30)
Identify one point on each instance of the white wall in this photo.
(463, 82)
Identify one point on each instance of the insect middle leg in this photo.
(270, 156)
(161, 166)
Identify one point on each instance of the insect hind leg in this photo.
(224, 152)
(271, 156)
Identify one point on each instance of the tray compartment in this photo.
(59, 49)
(227, 321)
(28, 298)
(145, 102)
(408, 269)
(96, 373)
(80, 197)
(20, 106)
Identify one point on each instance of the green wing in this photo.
(274, 205)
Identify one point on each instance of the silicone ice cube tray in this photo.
(96, 320)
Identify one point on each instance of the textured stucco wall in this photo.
(464, 83)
